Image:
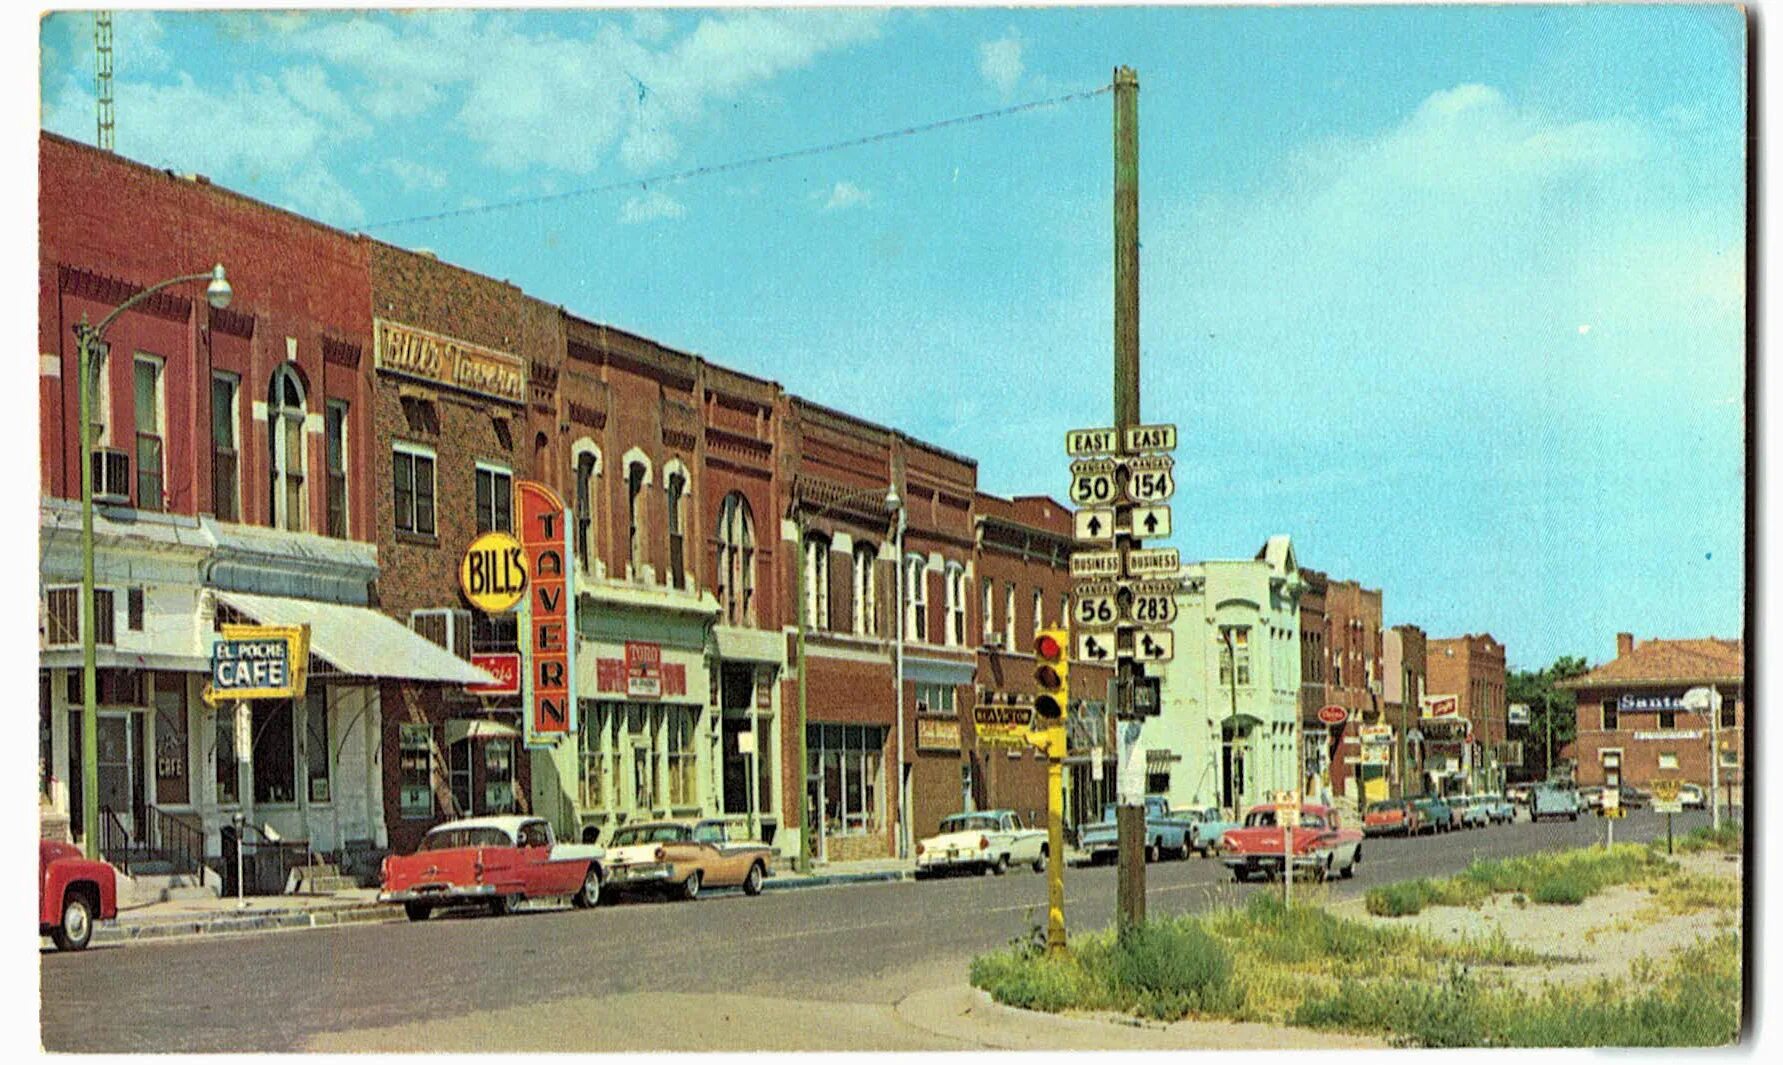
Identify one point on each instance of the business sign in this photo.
(404, 349)
(1441, 705)
(504, 666)
(937, 733)
(1638, 703)
(1333, 714)
(1376, 754)
(1517, 714)
(493, 573)
(1002, 726)
(1671, 734)
(1668, 796)
(259, 662)
(549, 639)
(643, 670)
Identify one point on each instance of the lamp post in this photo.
(892, 503)
(90, 339)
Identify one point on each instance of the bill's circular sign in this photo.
(493, 573)
(1333, 715)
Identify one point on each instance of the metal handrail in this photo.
(178, 840)
(114, 839)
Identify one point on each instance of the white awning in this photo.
(467, 729)
(359, 641)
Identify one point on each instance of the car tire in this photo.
(590, 895)
(1001, 865)
(417, 911)
(76, 929)
(1154, 853)
(1040, 862)
(1326, 869)
(1350, 869)
(1242, 876)
(752, 882)
(504, 905)
(690, 888)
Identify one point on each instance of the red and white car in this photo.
(74, 893)
(1319, 844)
(495, 861)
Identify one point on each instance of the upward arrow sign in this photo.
(1095, 525)
(1151, 523)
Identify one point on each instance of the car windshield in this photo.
(1385, 806)
(1266, 819)
(969, 823)
(442, 839)
(635, 834)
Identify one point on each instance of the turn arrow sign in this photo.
(1093, 648)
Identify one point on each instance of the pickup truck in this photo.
(986, 841)
(1165, 832)
(74, 894)
(1320, 845)
(1554, 800)
(495, 861)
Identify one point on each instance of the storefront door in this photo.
(119, 784)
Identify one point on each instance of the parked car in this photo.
(988, 841)
(1693, 797)
(1591, 798)
(1473, 811)
(496, 861)
(1165, 833)
(1554, 800)
(1392, 817)
(1500, 809)
(1206, 825)
(1437, 814)
(1519, 793)
(1634, 797)
(1319, 844)
(74, 893)
(682, 857)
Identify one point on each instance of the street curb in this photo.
(777, 884)
(132, 932)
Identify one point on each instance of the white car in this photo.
(987, 841)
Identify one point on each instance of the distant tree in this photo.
(1546, 702)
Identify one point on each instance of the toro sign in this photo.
(1333, 715)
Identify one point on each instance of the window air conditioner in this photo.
(994, 639)
(111, 476)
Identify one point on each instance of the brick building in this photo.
(1022, 573)
(1404, 682)
(232, 484)
(454, 352)
(1351, 673)
(1466, 751)
(1633, 727)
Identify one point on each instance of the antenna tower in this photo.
(102, 75)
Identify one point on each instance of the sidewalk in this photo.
(260, 913)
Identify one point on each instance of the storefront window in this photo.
(600, 752)
(170, 739)
(682, 783)
(458, 771)
(498, 776)
(225, 760)
(416, 770)
(320, 753)
(850, 761)
(275, 748)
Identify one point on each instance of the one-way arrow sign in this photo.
(1095, 647)
(1151, 521)
(1154, 645)
(1095, 523)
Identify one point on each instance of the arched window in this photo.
(916, 599)
(285, 412)
(585, 467)
(735, 564)
(956, 605)
(866, 590)
(817, 581)
(674, 485)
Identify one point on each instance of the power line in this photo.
(760, 160)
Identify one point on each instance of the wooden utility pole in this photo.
(1130, 811)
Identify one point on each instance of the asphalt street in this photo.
(850, 945)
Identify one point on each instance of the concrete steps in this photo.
(323, 878)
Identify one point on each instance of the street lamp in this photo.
(894, 504)
(90, 339)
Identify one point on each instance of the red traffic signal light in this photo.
(1051, 674)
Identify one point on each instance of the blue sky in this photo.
(1453, 296)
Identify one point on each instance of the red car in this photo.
(1321, 846)
(73, 893)
(1395, 816)
(496, 861)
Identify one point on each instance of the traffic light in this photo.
(1052, 675)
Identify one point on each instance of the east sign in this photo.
(493, 573)
(259, 662)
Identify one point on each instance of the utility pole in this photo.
(102, 77)
(1130, 811)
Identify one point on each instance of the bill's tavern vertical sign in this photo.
(550, 637)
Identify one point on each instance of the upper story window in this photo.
(675, 490)
(150, 473)
(335, 432)
(1727, 708)
(412, 489)
(916, 599)
(1235, 647)
(225, 470)
(1610, 715)
(285, 413)
(1039, 612)
(1009, 616)
(585, 468)
(495, 498)
(637, 475)
(866, 590)
(956, 605)
(989, 624)
(735, 564)
(817, 581)
(1064, 609)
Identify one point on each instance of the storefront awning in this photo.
(460, 729)
(359, 641)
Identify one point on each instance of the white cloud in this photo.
(1000, 61)
(415, 177)
(846, 194)
(652, 206)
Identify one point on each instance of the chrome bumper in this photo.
(438, 893)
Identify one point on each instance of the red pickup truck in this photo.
(73, 893)
(1321, 846)
(495, 861)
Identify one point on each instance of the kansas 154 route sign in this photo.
(1092, 482)
(1094, 523)
(1151, 560)
(1149, 479)
(1093, 565)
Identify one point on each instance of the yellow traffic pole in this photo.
(1055, 843)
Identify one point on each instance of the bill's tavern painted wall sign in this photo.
(443, 360)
